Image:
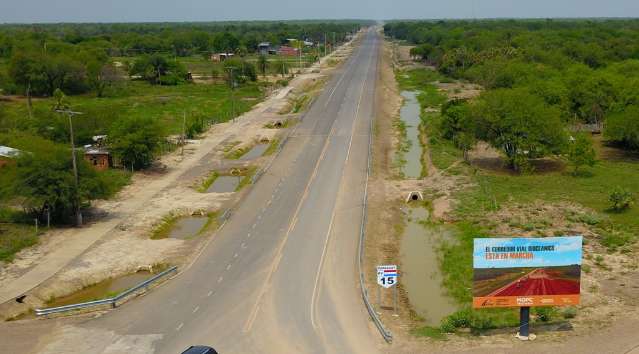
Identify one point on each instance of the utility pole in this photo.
(183, 131)
(78, 212)
(324, 43)
(232, 77)
(300, 70)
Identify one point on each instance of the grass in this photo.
(208, 182)
(272, 147)
(239, 152)
(163, 229)
(247, 179)
(430, 332)
(15, 237)
(167, 104)
(168, 222)
(416, 79)
(490, 191)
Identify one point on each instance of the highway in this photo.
(281, 275)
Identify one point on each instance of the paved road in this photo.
(280, 277)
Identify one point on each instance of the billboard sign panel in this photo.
(520, 272)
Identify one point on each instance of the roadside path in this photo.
(72, 243)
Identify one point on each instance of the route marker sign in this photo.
(387, 275)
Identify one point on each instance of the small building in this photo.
(264, 48)
(287, 51)
(220, 57)
(8, 155)
(98, 157)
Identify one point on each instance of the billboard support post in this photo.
(524, 320)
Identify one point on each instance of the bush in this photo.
(135, 140)
(545, 314)
(621, 199)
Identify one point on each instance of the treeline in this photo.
(542, 75)
(78, 58)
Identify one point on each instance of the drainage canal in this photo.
(410, 116)
(421, 276)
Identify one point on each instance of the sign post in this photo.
(387, 277)
(526, 272)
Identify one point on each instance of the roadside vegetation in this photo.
(146, 87)
(525, 144)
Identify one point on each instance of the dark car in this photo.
(199, 349)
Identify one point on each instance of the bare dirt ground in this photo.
(125, 246)
(610, 282)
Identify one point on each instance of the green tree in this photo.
(44, 178)
(581, 153)
(623, 127)
(156, 69)
(262, 63)
(520, 124)
(134, 140)
(101, 76)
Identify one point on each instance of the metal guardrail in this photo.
(386, 334)
(113, 301)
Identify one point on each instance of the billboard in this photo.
(516, 272)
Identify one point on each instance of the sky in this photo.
(12, 11)
(567, 252)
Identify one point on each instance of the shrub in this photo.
(621, 199)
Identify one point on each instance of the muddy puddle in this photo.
(102, 290)
(188, 227)
(224, 184)
(409, 114)
(257, 151)
(421, 276)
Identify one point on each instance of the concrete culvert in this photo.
(264, 141)
(235, 172)
(20, 299)
(414, 196)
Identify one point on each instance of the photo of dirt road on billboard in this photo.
(563, 280)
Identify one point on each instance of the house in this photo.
(287, 51)
(219, 57)
(7, 155)
(264, 48)
(98, 157)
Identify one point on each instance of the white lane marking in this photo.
(228, 266)
(180, 327)
(243, 245)
(196, 309)
(330, 226)
(278, 256)
(235, 255)
(209, 293)
(254, 225)
(259, 217)
(219, 280)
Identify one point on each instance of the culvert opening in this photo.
(264, 141)
(414, 196)
(278, 124)
(20, 299)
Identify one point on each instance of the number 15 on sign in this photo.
(387, 275)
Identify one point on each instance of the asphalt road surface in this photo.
(281, 276)
(538, 282)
